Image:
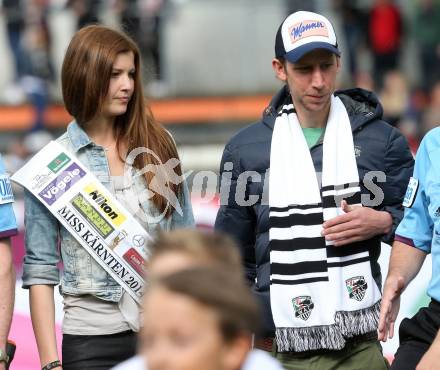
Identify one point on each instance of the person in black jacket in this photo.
(367, 212)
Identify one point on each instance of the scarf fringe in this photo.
(348, 324)
(353, 323)
(309, 338)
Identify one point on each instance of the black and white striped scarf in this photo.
(320, 294)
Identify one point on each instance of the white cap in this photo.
(302, 32)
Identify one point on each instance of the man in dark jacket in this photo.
(281, 253)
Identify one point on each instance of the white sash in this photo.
(90, 212)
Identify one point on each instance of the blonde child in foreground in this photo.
(198, 312)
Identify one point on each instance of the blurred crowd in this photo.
(376, 31)
(382, 32)
(30, 40)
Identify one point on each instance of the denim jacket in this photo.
(81, 275)
(8, 223)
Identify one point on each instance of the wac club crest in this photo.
(303, 306)
(356, 287)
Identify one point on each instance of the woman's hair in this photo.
(224, 293)
(85, 77)
(215, 248)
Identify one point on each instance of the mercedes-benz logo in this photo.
(138, 240)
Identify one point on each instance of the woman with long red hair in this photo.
(116, 137)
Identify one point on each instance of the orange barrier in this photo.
(175, 111)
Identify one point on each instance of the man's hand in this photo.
(389, 307)
(357, 224)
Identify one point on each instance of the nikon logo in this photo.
(99, 199)
(106, 205)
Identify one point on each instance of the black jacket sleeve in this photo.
(399, 164)
(233, 219)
